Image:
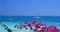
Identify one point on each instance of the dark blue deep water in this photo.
(30, 18)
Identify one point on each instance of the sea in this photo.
(10, 21)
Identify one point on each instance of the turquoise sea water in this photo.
(12, 20)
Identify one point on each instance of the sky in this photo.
(30, 7)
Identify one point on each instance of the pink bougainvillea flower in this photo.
(34, 22)
(35, 30)
(26, 22)
(42, 27)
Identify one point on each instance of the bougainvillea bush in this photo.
(32, 27)
(37, 27)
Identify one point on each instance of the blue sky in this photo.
(30, 7)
